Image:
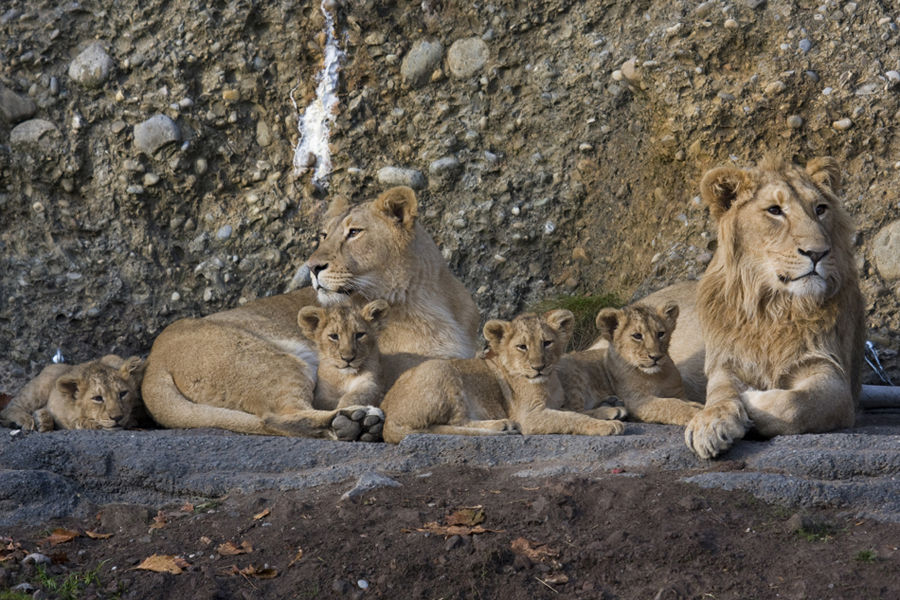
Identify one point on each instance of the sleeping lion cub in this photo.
(515, 389)
(633, 364)
(101, 394)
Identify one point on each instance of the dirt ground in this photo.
(617, 535)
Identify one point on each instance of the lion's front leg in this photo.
(819, 400)
(723, 420)
(352, 423)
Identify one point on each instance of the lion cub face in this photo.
(639, 334)
(346, 336)
(362, 248)
(102, 396)
(530, 346)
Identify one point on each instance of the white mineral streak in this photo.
(316, 121)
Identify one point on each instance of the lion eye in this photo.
(775, 210)
(637, 336)
(661, 334)
(547, 343)
(98, 399)
(323, 235)
(122, 395)
(522, 347)
(353, 233)
(333, 337)
(820, 209)
(360, 335)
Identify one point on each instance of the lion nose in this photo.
(655, 357)
(540, 367)
(348, 360)
(814, 255)
(317, 267)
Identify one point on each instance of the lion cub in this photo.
(101, 394)
(634, 365)
(515, 389)
(346, 339)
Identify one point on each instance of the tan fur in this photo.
(252, 370)
(783, 351)
(349, 361)
(515, 390)
(101, 394)
(640, 370)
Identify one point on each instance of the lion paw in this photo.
(507, 427)
(609, 413)
(361, 423)
(43, 421)
(712, 432)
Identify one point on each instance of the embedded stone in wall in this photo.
(392, 176)
(467, 57)
(421, 61)
(886, 248)
(92, 67)
(36, 133)
(13, 107)
(155, 133)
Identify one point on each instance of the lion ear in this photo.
(669, 313)
(375, 311)
(338, 206)
(132, 368)
(493, 331)
(826, 171)
(608, 321)
(561, 321)
(68, 386)
(400, 205)
(720, 187)
(309, 319)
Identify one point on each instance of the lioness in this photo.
(633, 365)
(515, 390)
(783, 323)
(100, 394)
(232, 369)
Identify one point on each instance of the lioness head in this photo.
(345, 335)
(102, 396)
(639, 333)
(782, 229)
(530, 346)
(364, 249)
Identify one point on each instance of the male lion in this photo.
(235, 368)
(515, 389)
(782, 316)
(100, 394)
(633, 364)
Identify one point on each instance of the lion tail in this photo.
(170, 408)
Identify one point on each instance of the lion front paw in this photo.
(506, 427)
(609, 413)
(43, 421)
(358, 423)
(712, 431)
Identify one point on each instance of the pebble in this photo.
(201, 166)
(36, 132)
(231, 95)
(731, 24)
(13, 107)
(37, 207)
(704, 9)
(795, 122)
(392, 176)
(629, 69)
(467, 57)
(842, 124)
(776, 87)
(155, 133)
(893, 76)
(118, 127)
(805, 45)
(151, 179)
(827, 91)
(420, 62)
(135, 190)
(224, 232)
(443, 165)
(886, 250)
(176, 296)
(363, 584)
(54, 86)
(208, 295)
(812, 75)
(92, 67)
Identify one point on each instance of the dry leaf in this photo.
(159, 521)
(252, 571)
(188, 507)
(264, 513)
(296, 558)
(558, 579)
(4, 400)
(97, 536)
(232, 549)
(160, 563)
(450, 530)
(61, 536)
(533, 550)
(469, 516)
(205, 541)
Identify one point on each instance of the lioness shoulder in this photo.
(101, 394)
